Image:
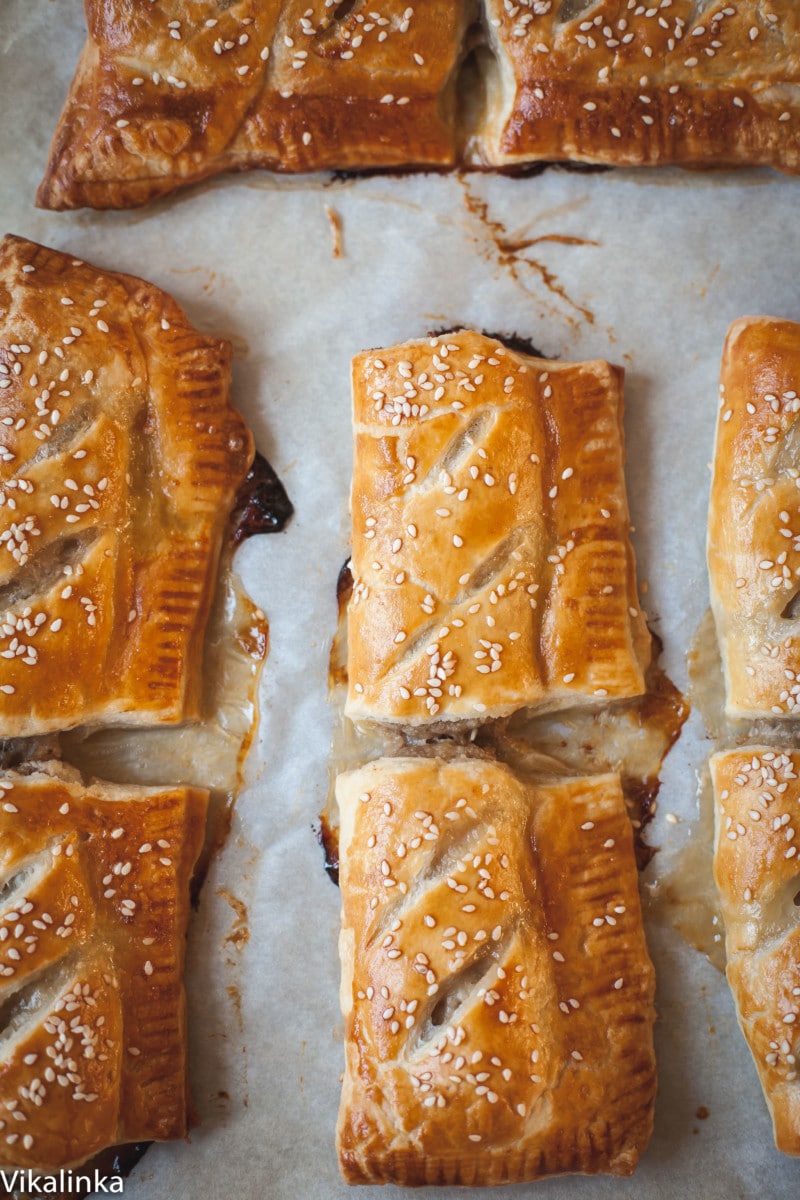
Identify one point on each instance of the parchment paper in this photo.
(671, 258)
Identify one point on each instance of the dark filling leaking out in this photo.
(512, 341)
(640, 798)
(529, 170)
(261, 505)
(514, 171)
(17, 752)
(115, 1161)
(337, 664)
(344, 588)
(328, 839)
(662, 709)
(394, 172)
(665, 708)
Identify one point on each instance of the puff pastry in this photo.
(496, 986)
(491, 560)
(756, 792)
(94, 903)
(754, 519)
(610, 81)
(120, 457)
(167, 94)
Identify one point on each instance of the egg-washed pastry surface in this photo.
(754, 519)
(757, 815)
(93, 907)
(681, 81)
(496, 986)
(491, 560)
(120, 457)
(170, 93)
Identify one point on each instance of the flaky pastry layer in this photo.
(754, 518)
(491, 558)
(168, 94)
(94, 904)
(496, 986)
(757, 805)
(629, 84)
(120, 457)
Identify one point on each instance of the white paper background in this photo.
(679, 256)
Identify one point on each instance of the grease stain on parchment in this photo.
(512, 251)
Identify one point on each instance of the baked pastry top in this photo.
(491, 560)
(167, 94)
(756, 791)
(94, 905)
(610, 81)
(754, 518)
(120, 457)
(496, 986)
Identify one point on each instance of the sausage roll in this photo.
(94, 902)
(120, 457)
(167, 94)
(496, 985)
(756, 791)
(491, 560)
(754, 519)
(611, 81)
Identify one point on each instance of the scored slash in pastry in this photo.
(94, 905)
(491, 560)
(754, 519)
(678, 81)
(757, 798)
(167, 94)
(120, 457)
(496, 986)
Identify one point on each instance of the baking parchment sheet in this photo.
(646, 269)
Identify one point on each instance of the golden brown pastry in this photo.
(120, 457)
(496, 986)
(167, 94)
(491, 560)
(93, 912)
(754, 519)
(756, 792)
(613, 81)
